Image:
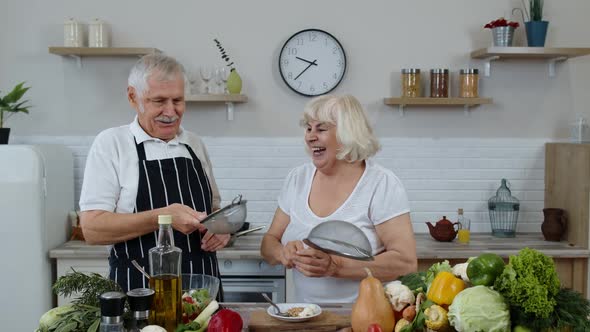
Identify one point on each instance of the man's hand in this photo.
(289, 252)
(184, 219)
(214, 242)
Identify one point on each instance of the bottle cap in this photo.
(140, 299)
(112, 304)
(460, 211)
(164, 219)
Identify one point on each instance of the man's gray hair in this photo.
(165, 67)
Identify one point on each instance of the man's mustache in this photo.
(167, 119)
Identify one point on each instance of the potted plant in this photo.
(11, 104)
(234, 81)
(502, 31)
(536, 28)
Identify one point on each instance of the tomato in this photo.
(374, 328)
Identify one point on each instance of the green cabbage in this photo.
(52, 317)
(479, 308)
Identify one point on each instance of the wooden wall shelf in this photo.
(102, 51)
(217, 98)
(551, 54)
(229, 101)
(79, 52)
(426, 101)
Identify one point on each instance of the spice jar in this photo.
(411, 82)
(439, 83)
(468, 83)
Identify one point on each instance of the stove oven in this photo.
(244, 280)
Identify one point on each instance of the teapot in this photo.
(444, 230)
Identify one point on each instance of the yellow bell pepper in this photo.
(436, 318)
(444, 287)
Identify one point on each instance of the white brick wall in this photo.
(440, 175)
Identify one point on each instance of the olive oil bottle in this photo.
(165, 279)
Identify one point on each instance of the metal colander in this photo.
(228, 219)
(340, 238)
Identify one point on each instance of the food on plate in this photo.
(308, 311)
(295, 311)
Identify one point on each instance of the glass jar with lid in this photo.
(468, 83)
(411, 82)
(439, 83)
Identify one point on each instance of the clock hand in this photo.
(315, 64)
(306, 68)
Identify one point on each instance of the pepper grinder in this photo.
(112, 305)
(140, 303)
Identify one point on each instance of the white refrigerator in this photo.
(36, 194)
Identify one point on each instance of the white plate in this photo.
(286, 306)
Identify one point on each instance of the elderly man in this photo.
(147, 168)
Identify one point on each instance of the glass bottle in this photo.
(112, 305)
(439, 83)
(463, 234)
(165, 279)
(410, 82)
(468, 83)
(140, 302)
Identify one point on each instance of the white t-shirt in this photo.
(378, 196)
(112, 172)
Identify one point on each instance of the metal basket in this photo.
(503, 209)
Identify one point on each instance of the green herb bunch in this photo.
(224, 55)
(536, 9)
(11, 102)
(88, 286)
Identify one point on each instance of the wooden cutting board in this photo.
(260, 321)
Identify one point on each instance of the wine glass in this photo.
(224, 76)
(192, 78)
(206, 74)
(218, 80)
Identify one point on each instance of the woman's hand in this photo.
(289, 252)
(315, 263)
(214, 242)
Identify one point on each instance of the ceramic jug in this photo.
(554, 224)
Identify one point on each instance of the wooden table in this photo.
(571, 262)
(246, 309)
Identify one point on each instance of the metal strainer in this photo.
(229, 219)
(340, 238)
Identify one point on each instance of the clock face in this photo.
(312, 62)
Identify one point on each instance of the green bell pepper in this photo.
(484, 269)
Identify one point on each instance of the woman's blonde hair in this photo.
(352, 127)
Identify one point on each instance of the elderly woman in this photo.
(340, 183)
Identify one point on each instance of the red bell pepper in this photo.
(225, 320)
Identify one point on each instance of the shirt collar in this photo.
(141, 136)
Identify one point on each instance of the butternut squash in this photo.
(371, 306)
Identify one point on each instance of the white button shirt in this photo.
(112, 172)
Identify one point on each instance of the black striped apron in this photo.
(161, 183)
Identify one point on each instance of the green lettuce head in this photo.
(479, 308)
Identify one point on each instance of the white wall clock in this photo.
(312, 62)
